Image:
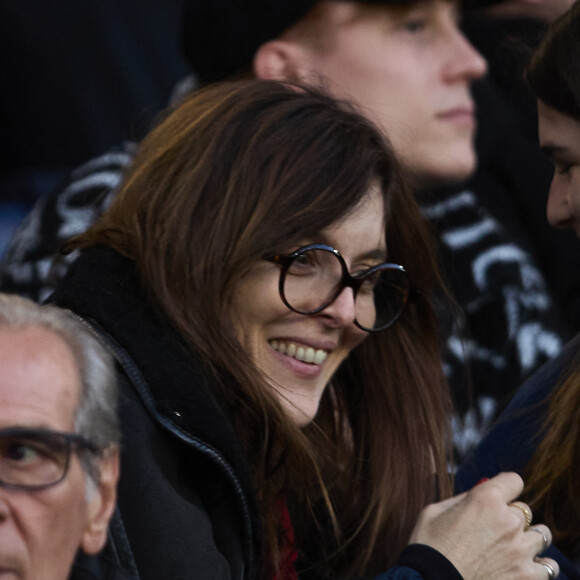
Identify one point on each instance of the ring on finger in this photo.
(546, 542)
(550, 569)
(525, 510)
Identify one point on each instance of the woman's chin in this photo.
(301, 410)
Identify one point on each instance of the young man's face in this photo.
(410, 69)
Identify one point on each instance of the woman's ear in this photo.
(101, 504)
(282, 60)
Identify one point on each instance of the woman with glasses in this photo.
(264, 281)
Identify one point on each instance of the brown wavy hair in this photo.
(246, 168)
(553, 474)
(554, 69)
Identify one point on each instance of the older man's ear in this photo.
(101, 504)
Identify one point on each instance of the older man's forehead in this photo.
(39, 383)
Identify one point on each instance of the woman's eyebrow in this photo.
(378, 254)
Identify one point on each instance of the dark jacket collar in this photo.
(103, 286)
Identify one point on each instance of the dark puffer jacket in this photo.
(187, 507)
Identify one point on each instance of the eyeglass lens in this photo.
(34, 459)
(315, 278)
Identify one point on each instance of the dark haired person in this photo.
(408, 66)
(538, 435)
(264, 280)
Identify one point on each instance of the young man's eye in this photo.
(415, 25)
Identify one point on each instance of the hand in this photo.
(483, 536)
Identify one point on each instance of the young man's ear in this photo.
(283, 60)
(101, 504)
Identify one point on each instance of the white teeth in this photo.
(305, 354)
(319, 357)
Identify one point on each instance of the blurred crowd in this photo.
(324, 243)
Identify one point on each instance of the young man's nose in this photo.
(464, 59)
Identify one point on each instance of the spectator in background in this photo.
(410, 69)
(498, 248)
(59, 438)
(284, 409)
(77, 78)
(539, 433)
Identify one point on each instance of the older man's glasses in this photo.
(312, 277)
(34, 459)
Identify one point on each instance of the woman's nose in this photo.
(342, 310)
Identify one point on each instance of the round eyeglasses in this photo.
(34, 459)
(313, 276)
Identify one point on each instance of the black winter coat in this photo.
(174, 432)
(186, 507)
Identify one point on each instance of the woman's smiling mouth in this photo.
(302, 353)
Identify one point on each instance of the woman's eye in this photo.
(302, 260)
(304, 265)
(368, 287)
(369, 281)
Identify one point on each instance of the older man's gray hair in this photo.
(96, 417)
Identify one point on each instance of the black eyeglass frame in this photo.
(72, 442)
(284, 261)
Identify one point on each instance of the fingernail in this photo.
(482, 480)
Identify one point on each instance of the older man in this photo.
(58, 442)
